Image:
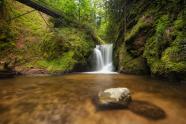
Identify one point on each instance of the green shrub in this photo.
(140, 24)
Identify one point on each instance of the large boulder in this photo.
(114, 97)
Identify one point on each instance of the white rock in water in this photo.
(118, 96)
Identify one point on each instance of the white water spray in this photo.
(103, 56)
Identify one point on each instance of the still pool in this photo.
(69, 99)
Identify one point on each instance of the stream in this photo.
(69, 99)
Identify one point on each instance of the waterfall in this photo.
(103, 58)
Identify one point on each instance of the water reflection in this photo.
(147, 110)
(141, 108)
(68, 100)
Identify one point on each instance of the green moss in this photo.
(36, 45)
(155, 46)
(171, 59)
(129, 64)
(6, 45)
(7, 40)
(135, 29)
(102, 30)
(31, 24)
(178, 24)
(65, 63)
(157, 67)
(151, 52)
(173, 64)
(174, 56)
(23, 33)
(78, 41)
(136, 66)
(50, 47)
(161, 24)
(64, 41)
(90, 31)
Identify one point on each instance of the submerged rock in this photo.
(7, 74)
(114, 96)
(34, 71)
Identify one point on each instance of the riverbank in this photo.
(37, 72)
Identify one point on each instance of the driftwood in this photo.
(42, 8)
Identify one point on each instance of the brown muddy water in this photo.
(69, 99)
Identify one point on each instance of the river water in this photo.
(70, 99)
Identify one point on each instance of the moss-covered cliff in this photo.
(155, 37)
(35, 40)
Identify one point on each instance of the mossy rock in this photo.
(143, 23)
(64, 64)
(135, 66)
(130, 64)
(166, 61)
(68, 45)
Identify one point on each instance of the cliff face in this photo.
(155, 37)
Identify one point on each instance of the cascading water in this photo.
(103, 58)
